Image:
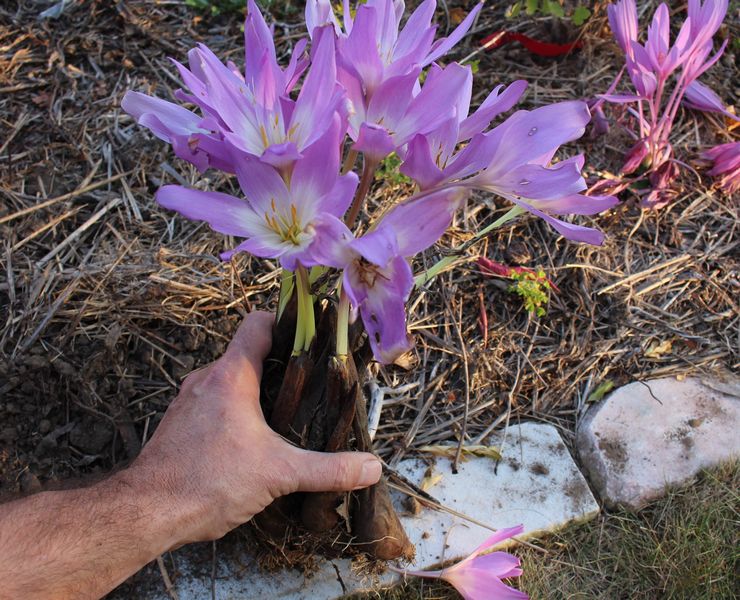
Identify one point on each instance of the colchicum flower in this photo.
(478, 577)
(513, 161)
(250, 113)
(277, 218)
(651, 67)
(377, 275)
(379, 66)
(431, 157)
(725, 160)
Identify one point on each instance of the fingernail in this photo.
(371, 470)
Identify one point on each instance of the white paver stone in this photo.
(646, 436)
(536, 484)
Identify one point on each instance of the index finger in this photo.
(253, 340)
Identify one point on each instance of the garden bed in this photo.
(108, 301)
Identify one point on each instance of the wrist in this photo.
(168, 514)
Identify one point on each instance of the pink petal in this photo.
(492, 106)
(331, 244)
(374, 141)
(498, 537)
(261, 184)
(419, 223)
(502, 564)
(382, 305)
(419, 163)
(475, 584)
(315, 174)
(576, 233)
(224, 213)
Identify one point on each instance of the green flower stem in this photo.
(443, 264)
(342, 349)
(287, 284)
(306, 319)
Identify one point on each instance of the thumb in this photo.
(334, 471)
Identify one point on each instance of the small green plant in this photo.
(533, 287)
(552, 8)
(388, 170)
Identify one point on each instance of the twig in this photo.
(167, 581)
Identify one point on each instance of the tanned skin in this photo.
(212, 464)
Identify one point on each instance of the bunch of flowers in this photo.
(364, 82)
(293, 135)
(663, 77)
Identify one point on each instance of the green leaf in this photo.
(389, 170)
(555, 9)
(532, 6)
(580, 15)
(604, 388)
(513, 11)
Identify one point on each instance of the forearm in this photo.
(82, 543)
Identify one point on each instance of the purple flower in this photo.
(431, 158)
(379, 67)
(726, 165)
(513, 161)
(705, 20)
(394, 114)
(623, 21)
(372, 45)
(650, 67)
(478, 577)
(250, 113)
(277, 219)
(519, 168)
(376, 274)
(700, 97)
(181, 128)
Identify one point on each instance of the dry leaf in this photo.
(658, 349)
(457, 15)
(407, 361)
(343, 511)
(430, 480)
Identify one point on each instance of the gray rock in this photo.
(646, 436)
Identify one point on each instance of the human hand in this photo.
(216, 459)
